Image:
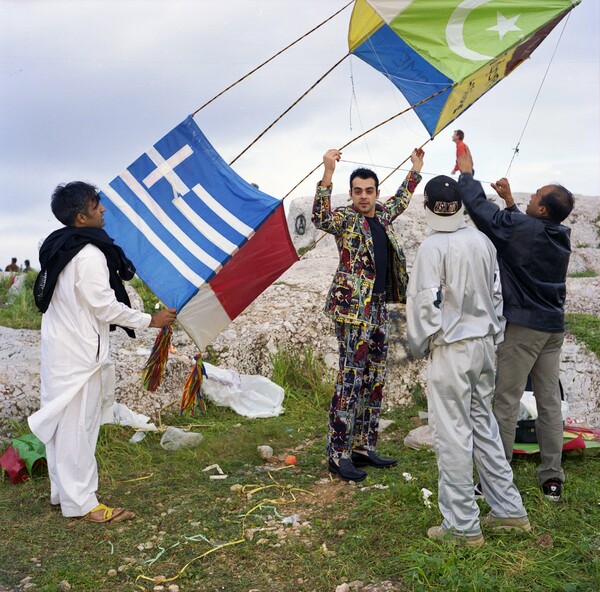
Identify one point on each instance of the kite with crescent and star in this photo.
(443, 55)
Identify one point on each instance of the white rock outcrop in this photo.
(289, 316)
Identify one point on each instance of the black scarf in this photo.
(62, 245)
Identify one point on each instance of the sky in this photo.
(87, 86)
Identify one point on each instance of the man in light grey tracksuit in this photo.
(454, 315)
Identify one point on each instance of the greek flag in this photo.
(204, 240)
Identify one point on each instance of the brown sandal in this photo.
(108, 514)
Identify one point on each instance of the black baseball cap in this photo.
(443, 204)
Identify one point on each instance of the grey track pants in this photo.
(460, 382)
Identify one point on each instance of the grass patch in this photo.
(586, 329)
(148, 297)
(583, 274)
(18, 310)
(343, 534)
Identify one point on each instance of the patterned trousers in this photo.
(356, 402)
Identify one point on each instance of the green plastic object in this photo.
(30, 449)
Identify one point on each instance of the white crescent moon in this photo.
(454, 30)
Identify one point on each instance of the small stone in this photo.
(112, 573)
(122, 568)
(64, 586)
(236, 487)
(159, 588)
(342, 588)
(173, 588)
(265, 452)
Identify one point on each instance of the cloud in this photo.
(86, 87)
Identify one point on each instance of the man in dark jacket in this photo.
(533, 256)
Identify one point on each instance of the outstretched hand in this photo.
(417, 157)
(330, 158)
(502, 188)
(164, 317)
(465, 162)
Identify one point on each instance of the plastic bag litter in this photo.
(419, 438)
(249, 395)
(126, 417)
(528, 407)
(174, 439)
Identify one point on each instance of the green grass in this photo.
(148, 297)
(345, 533)
(18, 311)
(586, 329)
(583, 274)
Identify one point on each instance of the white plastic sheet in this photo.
(528, 407)
(247, 394)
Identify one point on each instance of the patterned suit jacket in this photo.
(349, 298)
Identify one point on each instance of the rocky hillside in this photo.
(289, 316)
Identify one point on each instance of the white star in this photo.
(505, 25)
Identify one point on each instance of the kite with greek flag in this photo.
(204, 240)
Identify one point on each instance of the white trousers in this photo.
(460, 383)
(71, 453)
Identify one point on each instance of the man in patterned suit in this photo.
(371, 272)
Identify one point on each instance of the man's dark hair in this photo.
(71, 199)
(460, 134)
(558, 203)
(14, 260)
(364, 174)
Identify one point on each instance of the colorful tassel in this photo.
(192, 392)
(155, 366)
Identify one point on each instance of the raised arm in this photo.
(322, 216)
(399, 202)
(495, 223)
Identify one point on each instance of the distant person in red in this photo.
(461, 148)
(12, 266)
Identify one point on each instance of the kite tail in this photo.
(192, 393)
(155, 366)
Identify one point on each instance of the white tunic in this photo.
(77, 375)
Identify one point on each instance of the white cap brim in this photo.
(444, 223)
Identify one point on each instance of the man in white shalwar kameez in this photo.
(80, 291)
(454, 316)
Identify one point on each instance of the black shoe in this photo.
(478, 491)
(372, 460)
(552, 490)
(346, 470)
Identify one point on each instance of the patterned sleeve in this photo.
(397, 204)
(322, 216)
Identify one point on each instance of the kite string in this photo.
(516, 148)
(368, 131)
(289, 109)
(270, 59)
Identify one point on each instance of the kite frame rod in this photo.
(270, 59)
(289, 109)
(369, 131)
